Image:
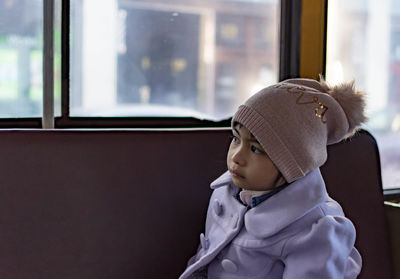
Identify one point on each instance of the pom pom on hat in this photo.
(351, 100)
(294, 121)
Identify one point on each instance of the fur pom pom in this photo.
(351, 100)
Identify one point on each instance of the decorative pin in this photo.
(321, 115)
(319, 111)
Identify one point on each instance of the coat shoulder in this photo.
(328, 242)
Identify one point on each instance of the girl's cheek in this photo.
(229, 156)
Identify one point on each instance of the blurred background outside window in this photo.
(21, 44)
(171, 57)
(364, 45)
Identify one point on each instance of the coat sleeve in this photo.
(325, 250)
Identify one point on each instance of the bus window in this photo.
(363, 43)
(171, 58)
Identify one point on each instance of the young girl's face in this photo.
(250, 166)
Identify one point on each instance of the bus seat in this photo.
(96, 204)
(353, 178)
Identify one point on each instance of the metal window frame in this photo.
(290, 39)
(314, 22)
(48, 64)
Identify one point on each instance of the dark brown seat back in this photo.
(131, 204)
(353, 178)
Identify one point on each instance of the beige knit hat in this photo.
(296, 119)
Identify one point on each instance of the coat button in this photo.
(228, 265)
(204, 241)
(217, 207)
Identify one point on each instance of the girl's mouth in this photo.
(236, 174)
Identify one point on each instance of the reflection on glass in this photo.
(364, 44)
(170, 58)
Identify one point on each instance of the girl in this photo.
(269, 215)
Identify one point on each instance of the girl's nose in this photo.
(238, 156)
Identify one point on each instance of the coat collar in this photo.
(224, 179)
(283, 208)
(287, 206)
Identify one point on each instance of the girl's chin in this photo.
(238, 182)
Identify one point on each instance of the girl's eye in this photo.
(256, 150)
(235, 139)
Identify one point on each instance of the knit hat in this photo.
(296, 119)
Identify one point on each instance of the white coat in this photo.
(300, 232)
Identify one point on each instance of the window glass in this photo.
(21, 55)
(364, 45)
(170, 57)
(21, 58)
